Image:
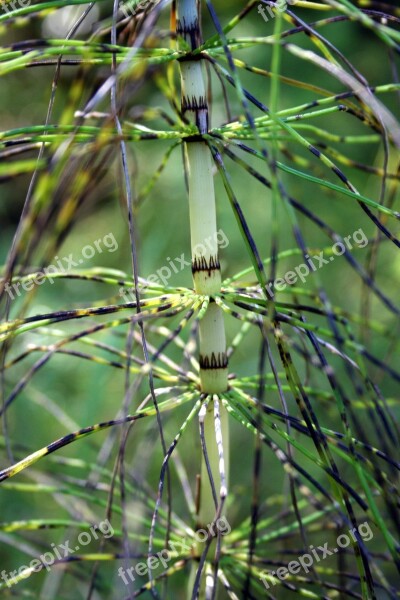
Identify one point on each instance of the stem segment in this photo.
(205, 261)
(203, 220)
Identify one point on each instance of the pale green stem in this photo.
(205, 263)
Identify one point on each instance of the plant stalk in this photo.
(205, 260)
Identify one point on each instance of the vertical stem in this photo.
(204, 245)
(203, 220)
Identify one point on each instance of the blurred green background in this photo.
(70, 393)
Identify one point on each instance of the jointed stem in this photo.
(205, 260)
(203, 221)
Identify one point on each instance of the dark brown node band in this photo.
(217, 361)
(201, 264)
(194, 104)
(191, 31)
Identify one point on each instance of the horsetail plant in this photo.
(206, 269)
(301, 163)
(203, 219)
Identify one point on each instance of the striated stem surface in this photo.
(205, 264)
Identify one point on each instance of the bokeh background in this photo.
(70, 393)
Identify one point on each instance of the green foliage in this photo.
(100, 370)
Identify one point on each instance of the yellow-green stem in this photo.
(205, 265)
